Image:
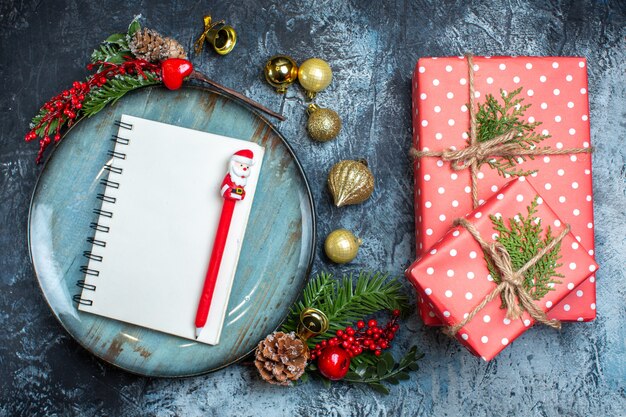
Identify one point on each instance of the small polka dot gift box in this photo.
(487, 293)
(553, 110)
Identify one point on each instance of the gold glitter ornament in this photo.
(350, 182)
(341, 246)
(314, 76)
(324, 124)
(280, 72)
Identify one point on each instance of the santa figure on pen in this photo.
(238, 173)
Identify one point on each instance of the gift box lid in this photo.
(453, 276)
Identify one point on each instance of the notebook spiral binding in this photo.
(103, 212)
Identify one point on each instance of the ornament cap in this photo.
(312, 108)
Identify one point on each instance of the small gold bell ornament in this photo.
(314, 76)
(324, 124)
(280, 72)
(350, 182)
(341, 246)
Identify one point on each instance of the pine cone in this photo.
(281, 358)
(152, 46)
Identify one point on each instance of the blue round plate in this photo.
(275, 259)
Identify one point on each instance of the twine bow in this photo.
(477, 153)
(515, 297)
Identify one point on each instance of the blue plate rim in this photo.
(312, 251)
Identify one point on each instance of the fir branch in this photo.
(345, 302)
(495, 119)
(115, 89)
(115, 48)
(385, 369)
(523, 238)
(314, 291)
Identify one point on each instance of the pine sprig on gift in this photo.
(523, 238)
(115, 89)
(494, 119)
(345, 302)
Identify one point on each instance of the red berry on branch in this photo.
(372, 323)
(339, 333)
(360, 324)
(334, 363)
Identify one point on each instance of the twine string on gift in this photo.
(477, 153)
(515, 297)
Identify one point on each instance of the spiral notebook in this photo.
(160, 206)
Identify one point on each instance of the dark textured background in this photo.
(372, 49)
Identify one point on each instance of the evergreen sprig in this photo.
(345, 302)
(385, 369)
(115, 89)
(115, 48)
(523, 238)
(495, 119)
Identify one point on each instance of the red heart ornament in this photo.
(173, 71)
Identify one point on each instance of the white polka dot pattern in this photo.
(560, 83)
(452, 277)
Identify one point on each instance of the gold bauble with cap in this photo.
(280, 72)
(324, 124)
(314, 75)
(350, 182)
(341, 246)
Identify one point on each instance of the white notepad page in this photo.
(162, 228)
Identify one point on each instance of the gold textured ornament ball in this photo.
(314, 76)
(324, 124)
(341, 246)
(350, 182)
(280, 72)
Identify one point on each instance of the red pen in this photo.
(232, 191)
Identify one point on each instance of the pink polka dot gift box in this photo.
(501, 269)
(454, 171)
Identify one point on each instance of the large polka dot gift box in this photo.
(452, 276)
(556, 90)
